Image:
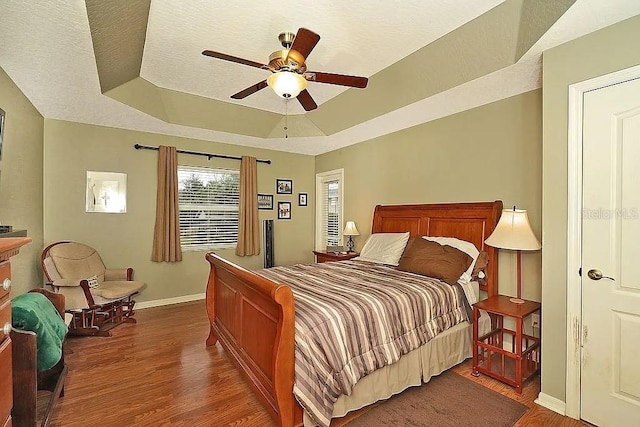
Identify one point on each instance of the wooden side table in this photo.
(324, 256)
(490, 358)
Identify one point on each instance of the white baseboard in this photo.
(550, 402)
(169, 301)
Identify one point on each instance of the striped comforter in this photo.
(353, 317)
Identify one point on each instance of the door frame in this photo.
(321, 177)
(574, 228)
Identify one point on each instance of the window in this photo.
(329, 193)
(208, 200)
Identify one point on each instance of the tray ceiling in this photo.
(138, 64)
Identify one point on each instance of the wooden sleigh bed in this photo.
(254, 318)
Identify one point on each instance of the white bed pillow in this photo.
(384, 248)
(471, 291)
(466, 247)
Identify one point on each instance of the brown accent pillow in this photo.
(481, 264)
(409, 243)
(432, 259)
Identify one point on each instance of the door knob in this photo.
(597, 275)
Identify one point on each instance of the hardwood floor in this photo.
(159, 373)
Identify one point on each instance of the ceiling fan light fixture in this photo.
(288, 69)
(287, 84)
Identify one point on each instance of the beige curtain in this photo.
(248, 231)
(166, 236)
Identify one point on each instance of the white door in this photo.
(610, 366)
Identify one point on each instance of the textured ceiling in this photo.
(138, 64)
(357, 38)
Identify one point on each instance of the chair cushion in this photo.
(117, 289)
(74, 298)
(50, 269)
(115, 274)
(77, 261)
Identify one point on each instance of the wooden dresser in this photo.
(8, 248)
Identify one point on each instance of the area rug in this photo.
(447, 400)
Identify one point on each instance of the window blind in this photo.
(208, 200)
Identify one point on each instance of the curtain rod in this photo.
(197, 153)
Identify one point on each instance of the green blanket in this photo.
(34, 312)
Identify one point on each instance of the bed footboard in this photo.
(253, 318)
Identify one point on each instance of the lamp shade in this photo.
(514, 232)
(350, 229)
(287, 84)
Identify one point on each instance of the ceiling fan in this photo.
(289, 70)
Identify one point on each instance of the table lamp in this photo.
(350, 230)
(514, 232)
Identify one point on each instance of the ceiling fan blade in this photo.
(337, 79)
(250, 90)
(303, 43)
(307, 101)
(233, 59)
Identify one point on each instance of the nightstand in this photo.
(324, 256)
(522, 360)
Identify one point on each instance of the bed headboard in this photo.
(473, 222)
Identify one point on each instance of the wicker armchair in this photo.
(98, 298)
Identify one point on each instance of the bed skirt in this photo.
(446, 350)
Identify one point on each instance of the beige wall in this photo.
(491, 152)
(71, 149)
(488, 153)
(611, 49)
(21, 180)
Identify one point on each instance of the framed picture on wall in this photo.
(106, 192)
(302, 199)
(265, 201)
(284, 186)
(284, 210)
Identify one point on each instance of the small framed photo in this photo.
(284, 186)
(265, 201)
(302, 199)
(284, 210)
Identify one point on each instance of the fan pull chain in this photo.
(286, 118)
